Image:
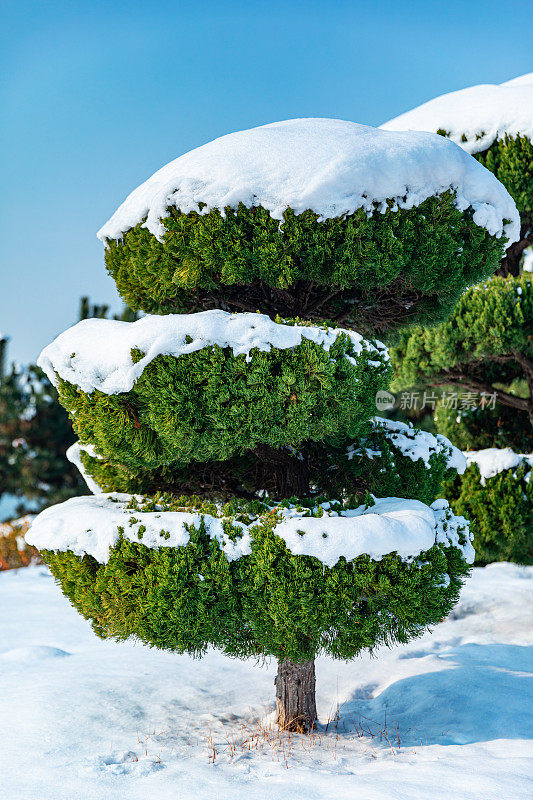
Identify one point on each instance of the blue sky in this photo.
(95, 96)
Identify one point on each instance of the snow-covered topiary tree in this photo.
(495, 124)
(262, 509)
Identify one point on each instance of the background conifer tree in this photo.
(486, 347)
(35, 432)
(495, 124)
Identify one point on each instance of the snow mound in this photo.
(416, 444)
(90, 525)
(522, 80)
(481, 114)
(96, 353)
(33, 653)
(329, 166)
(494, 460)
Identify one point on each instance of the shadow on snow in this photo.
(474, 693)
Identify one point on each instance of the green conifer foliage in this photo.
(479, 428)
(267, 603)
(371, 273)
(211, 405)
(511, 160)
(485, 346)
(334, 467)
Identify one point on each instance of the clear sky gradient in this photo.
(95, 96)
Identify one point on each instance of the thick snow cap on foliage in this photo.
(494, 460)
(96, 353)
(479, 114)
(328, 166)
(90, 525)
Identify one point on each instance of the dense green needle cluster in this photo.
(211, 405)
(371, 273)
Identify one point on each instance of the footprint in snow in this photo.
(124, 762)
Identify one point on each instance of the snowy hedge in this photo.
(496, 494)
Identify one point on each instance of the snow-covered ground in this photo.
(447, 716)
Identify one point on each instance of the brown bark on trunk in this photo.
(510, 264)
(295, 696)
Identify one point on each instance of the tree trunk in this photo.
(510, 264)
(295, 696)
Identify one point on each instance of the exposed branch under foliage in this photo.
(470, 383)
(486, 346)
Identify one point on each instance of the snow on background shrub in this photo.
(494, 460)
(475, 117)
